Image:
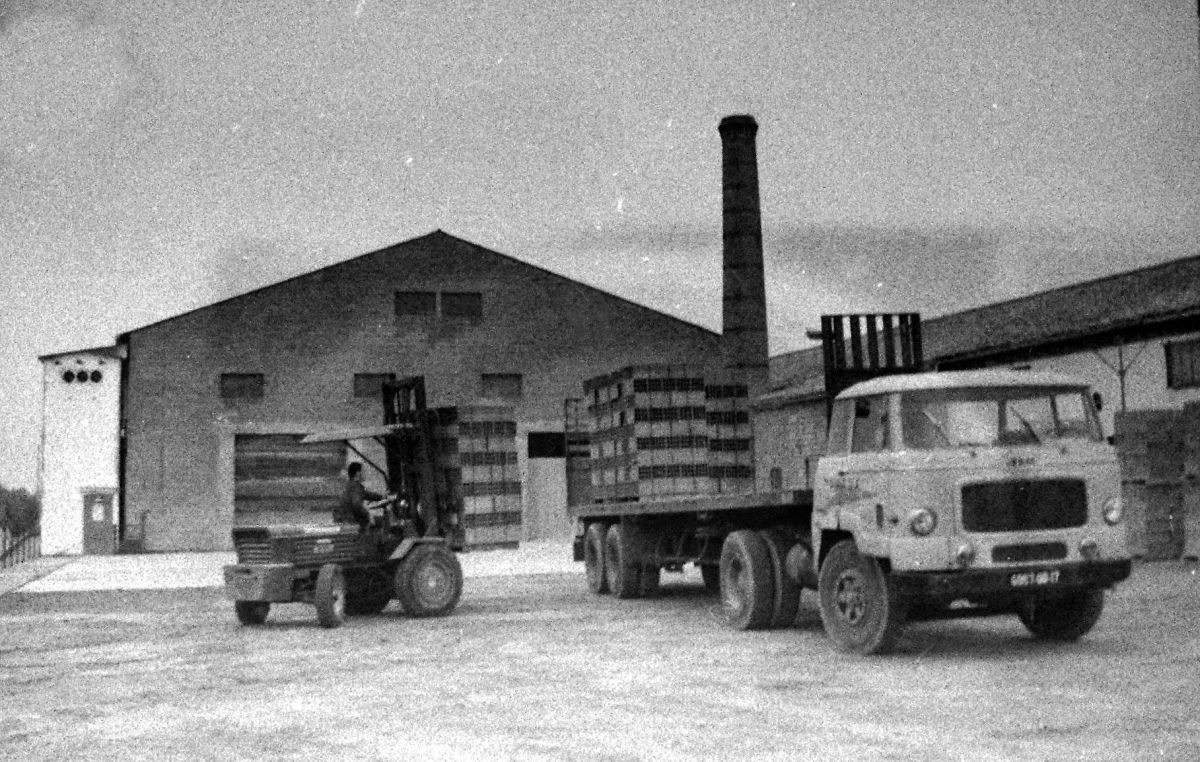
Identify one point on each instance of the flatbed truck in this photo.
(940, 495)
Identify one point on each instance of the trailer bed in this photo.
(800, 499)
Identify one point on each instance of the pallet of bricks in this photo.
(1150, 450)
(577, 430)
(477, 451)
(661, 431)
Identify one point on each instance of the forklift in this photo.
(406, 553)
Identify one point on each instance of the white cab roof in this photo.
(959, 379)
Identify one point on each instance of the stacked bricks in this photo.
(649, 433)
(477, 452)
(1191, 480)
(730, 434)
(1150, 449)
(577, 429)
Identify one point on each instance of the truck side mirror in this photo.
(1097, 400)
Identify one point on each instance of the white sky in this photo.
(919, 155)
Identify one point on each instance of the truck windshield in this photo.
(995, 416)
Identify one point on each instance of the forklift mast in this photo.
(412, 465)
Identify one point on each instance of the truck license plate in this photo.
(1033, 578)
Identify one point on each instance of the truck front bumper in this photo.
(259, 582)
(1020, 582)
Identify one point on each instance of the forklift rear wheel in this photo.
(330, 596)
(429, 581)
(252, 612)
(593, 558)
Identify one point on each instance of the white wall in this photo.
(1145, 378)
(80, 444)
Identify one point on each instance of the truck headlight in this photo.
(1113, 510)
(922, 521)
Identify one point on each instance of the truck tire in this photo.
(593, 558)
(1067, 617)
(860, 608)
(330, 596)
(650, 579)
(711, 574)
(252, 612)
(621, 563)
(368, 591)
(786, 603)
(747, 584)
(429, 581)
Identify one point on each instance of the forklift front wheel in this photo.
(330, 596)
(429, 581)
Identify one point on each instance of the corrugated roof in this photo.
(1127, 303)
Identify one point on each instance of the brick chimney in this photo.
(744, 307)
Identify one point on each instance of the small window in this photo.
(1183, 364)
(505, 386)
(416, 303)
(547, 444)
(242, 386)
(870, 425)
(370, 385)
(465, 306)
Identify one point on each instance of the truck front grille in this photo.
(1025, 504)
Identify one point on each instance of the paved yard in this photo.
(533, 667)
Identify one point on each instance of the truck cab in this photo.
(966, 493)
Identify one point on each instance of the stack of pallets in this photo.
(477, 452)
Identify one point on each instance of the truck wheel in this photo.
(859, 606)
(593, 558)
(252, 612)
(787, 592)
(368, 592)
(747, 587)
(650, 579)
(620, 563)
(711, 574)
(330, 596)
(1069, 617)
(429, 581)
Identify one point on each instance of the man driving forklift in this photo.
(354, 506)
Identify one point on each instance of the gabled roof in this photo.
(436, 234)
(114, 351)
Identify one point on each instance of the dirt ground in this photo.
(533, 667)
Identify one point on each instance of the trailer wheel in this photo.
(593, 558)
(711, 574)
(747, 587)
(650, 579)
(252, 612)
(1067, 617)
(368, 591)
(860, 608)
(787, 592)
(429, 581)
(330, 596)
(621, 564)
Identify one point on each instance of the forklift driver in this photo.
(353, 507)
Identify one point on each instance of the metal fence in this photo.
(18, 548)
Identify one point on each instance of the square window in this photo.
(1183, 364)
(461, 305)
(416, 303)
(504, 386)
(242, 386)
(370, 385)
